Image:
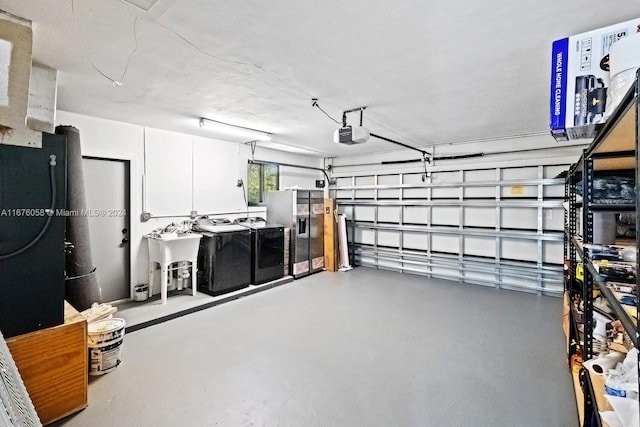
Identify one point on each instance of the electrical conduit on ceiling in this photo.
(261, 162)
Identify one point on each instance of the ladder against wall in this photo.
(499, 227)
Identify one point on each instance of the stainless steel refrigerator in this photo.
(302, 211)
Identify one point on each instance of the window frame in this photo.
(261, 189)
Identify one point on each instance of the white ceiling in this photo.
(430, 72)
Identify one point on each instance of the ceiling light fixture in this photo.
(235, 130)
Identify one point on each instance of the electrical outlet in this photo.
(239, 183)
(193, 214)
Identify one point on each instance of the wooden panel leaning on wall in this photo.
(330, 236)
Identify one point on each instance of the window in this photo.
(261, 178)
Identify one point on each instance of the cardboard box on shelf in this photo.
(598, 389)
(580, 78)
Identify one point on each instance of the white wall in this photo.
(182, 173)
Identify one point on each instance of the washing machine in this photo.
(224, 256)
(267, 249)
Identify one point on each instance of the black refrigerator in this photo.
(32, 260)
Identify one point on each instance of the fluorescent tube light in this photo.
(235, 130)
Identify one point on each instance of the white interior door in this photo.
(107, 191)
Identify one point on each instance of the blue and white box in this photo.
(580, 78)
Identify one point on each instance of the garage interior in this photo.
(293, 213)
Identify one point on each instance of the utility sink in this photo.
(168, 249)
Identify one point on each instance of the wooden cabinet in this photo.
(53, 365)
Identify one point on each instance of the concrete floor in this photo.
(141, 314)
(362, 348)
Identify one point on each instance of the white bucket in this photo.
(141, 292)
(105, 345)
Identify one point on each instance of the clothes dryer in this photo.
(267, 249)
(224, 256)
